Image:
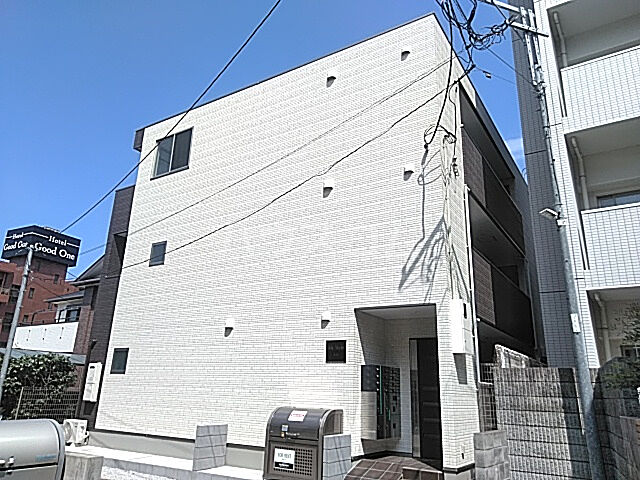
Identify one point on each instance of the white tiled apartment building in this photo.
(373, 254)
(591, 63)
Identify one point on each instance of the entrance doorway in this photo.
(425, 401)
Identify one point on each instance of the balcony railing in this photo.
(500, 204)
(603, 90)
(612, 237)
(490, 191)
(500, 302)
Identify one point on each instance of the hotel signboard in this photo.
(46, 243)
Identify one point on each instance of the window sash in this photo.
(173, 153)
(163, 156)
(158, 251)
(119, 360)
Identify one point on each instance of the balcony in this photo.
(491, 193)
(500, 302)
(603, 90)
(55, 337)
(612, 237)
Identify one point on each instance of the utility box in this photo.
(31, 450)
(295, 441)
(380, 402)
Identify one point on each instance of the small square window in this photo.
(173, 153)
(158, 251)
(31, 292)
(336, 351)
(119, 361)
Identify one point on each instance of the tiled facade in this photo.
(593, 93)
(277, 262)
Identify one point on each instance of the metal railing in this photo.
(487, 399)
(45, 403)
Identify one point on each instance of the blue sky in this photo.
(78, 78)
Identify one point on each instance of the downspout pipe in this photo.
(581, 173)
(563, 45)
(604, 325)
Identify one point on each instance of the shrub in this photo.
(50, 371)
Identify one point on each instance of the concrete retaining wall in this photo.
(492, 455)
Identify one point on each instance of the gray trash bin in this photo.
(295, 439)
(31, 450)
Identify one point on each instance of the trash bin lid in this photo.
(30, 442)
(300, 423)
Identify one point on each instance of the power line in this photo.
(490, 75)
(204, 92)
(378, 102)
(320, 173)
(512, 68)
(35, 279)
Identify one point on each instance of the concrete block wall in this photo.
(210, 449)
(336, 456)
(492, 455)
(538, 409)
(82, 466)
(613, 406)
(631, 447)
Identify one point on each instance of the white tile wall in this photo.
(599, 91)
(377, 239)
(603, 90)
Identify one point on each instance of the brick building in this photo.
(358, 249)
(47, 279)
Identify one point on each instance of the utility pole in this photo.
(14, 322)
(585, 388)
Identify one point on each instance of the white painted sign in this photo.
(297, 415)
(284, 459)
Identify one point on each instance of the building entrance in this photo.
(425, 401)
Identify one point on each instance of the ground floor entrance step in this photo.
(393, 468)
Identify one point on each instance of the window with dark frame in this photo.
(14, 291)
(119, 361)
(630, 351)
(336, 351)
(31, 292)
(25, 319)
(158, 251)
(72, 314)
(173, 153)
(6, 321)
(623, 198)
(56, 277)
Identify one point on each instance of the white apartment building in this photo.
(293, 274)
(591, 63)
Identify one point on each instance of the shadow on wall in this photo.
(423, 259)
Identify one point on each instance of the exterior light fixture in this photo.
(405, 53)
(551, 214)
(408, 169)
(328, 184)
(486, 74)
(325, 318)
(229, 325)
(331, 77)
